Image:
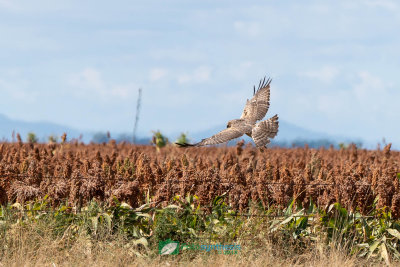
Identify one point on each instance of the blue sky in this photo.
(335, 64)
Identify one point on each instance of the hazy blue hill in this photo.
(41, 129)
(288, 133)
(44, 129)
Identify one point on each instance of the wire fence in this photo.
(75, 211)
(198, 181)
(208, 234)
(17, 176)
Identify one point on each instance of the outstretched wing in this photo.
(221, 137)
(257, 107)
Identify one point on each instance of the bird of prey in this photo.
(255, 110)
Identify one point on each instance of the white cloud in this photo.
(366, 98)
(369, 86)
(248, 28)
(121, 91)
(387, 4)
(89, 83)
(325, 74)
(157, 74)
(367, 107)
(200, 74)
(374, 95)
(88, 79)
(373, 4)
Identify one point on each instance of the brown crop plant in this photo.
(78, 173)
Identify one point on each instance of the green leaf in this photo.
(172, 206)
(63, 208)
(286, 220)
(331, 207)
(384, 254)
(302, 223)
(219, 198)
(107, 217)
(143, 206)
(393, 250)
(189, 198)
(373, 247)
(274, 225)
(142, 241)
(376, 200)
(143, 215)
(191, 230)
(94, 222)
(215, 221)
(311, 207)
(289, 209)
(126, 206)
(394, 233)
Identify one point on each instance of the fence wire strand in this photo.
(74, 211)
(13, 176)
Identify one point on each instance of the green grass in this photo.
(43, 234)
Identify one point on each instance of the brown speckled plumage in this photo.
(255, 110)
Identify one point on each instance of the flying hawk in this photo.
(255, 110)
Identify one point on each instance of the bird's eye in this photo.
(227, 126)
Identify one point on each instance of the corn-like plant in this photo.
(31, 138)
(159, 140)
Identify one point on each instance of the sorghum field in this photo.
(280, 204)
(80, 173)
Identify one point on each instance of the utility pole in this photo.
(137, 115)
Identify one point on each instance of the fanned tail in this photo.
(184, 144)
(265, 130)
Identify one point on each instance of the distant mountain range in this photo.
(41, 129)
(288, 133)
(45, 129)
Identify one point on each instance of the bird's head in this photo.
(232, 123)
